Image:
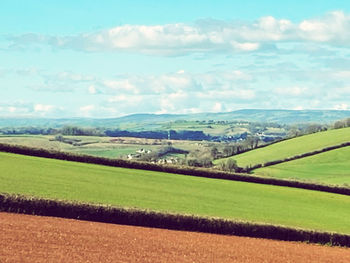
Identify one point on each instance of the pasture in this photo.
(172, 193)
(292, 147)
(332, 167)
(109, 147)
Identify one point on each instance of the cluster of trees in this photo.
(66, 130)
(172, 134)
(230, 165)
(199, 158)
(227, 150)
(342, 124)
(27, 130)
(79, 131)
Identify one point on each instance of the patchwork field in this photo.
(45, 239)
(292, 147)
(98, 146)
(332, 167)
(174, 193)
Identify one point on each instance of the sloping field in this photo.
(164, 192)
(331, 167)
(26, 238)
(292, 147)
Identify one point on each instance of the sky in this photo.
(105, 59)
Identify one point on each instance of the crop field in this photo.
(45, 239)
(332, 167)
(174, 193)
(292, 147)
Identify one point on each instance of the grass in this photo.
(292, 147)
(164, 192)
(331, 167)
(98, 146)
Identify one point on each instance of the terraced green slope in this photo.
(174, 193)
(331, 167)
(292, 147)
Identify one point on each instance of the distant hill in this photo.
(151, 121)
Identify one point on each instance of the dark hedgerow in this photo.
(115, 215)
(191, 171)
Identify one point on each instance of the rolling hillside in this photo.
(152, 121)
(164, 192)
(292, 147)
(331, 167)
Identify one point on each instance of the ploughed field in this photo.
(332, 167)
(174, 193)
(26, 238)
(292, 147)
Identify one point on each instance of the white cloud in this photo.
(18, 108)
(203, 36)
(342, 106)
(298, 108)
(228, 95)
(291, 91)
(92, 89)
(334, 27)
(43, 108)
(342, 90)
(341, 75)
(73, 77)
(86, 110)
(132, 99)
(121, 85)
(218, 107)
(12, 109)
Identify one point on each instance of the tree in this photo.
(229, 165)
(339, 124)
(347, 122)
(214, 152)
(59, 138)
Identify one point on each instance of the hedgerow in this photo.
(135, 217)
(300, 156)
(191, 171)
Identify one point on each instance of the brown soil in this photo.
(25, 238)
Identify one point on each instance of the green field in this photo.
(292, 147)
(331, 167)
(97, 146)
(174, 193)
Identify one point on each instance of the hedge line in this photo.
(115, 215)
(199, 172)
(330, 148)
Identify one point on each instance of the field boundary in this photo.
(299, 156)
(110, 214)
(198, 172)
(270, 143)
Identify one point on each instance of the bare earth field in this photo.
(26, 238)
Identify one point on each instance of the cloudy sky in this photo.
(112, 58)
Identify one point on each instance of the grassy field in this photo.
(292, 147)
(331, 167)
(173, 193)
(98, 146)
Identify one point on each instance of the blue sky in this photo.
(113, 58)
